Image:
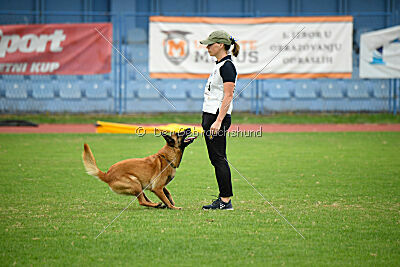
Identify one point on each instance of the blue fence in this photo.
(124, 90)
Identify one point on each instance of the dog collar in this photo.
(169, 162)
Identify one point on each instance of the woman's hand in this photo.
(215, 127)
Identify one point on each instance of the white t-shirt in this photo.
(214, 89)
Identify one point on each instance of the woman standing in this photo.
(217, 108)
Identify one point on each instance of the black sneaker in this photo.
(218, 204)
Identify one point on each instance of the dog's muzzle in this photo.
(188, 140)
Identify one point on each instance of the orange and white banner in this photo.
(55, 49)
(323, 49)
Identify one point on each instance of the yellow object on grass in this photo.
(112, 127)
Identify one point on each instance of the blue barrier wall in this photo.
(125, 91)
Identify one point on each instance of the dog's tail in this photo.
(90, 164)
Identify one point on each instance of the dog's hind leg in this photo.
(168, 195)
(147, 199)
(143, 201)
(137, 190)
(131, 186)
(161, 195)
(159, 205)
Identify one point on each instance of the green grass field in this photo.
(238, 117)
(340, 190)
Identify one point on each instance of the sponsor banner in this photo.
(73, 49)
(380, 54)
(323, 49)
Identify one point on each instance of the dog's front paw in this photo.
(161, 206)
(175, 208)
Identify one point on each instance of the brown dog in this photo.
(133, 176)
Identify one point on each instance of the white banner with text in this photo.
(322, 49)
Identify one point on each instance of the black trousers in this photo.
(216, 147)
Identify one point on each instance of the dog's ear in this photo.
(169, 139)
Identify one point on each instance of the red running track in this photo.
(267, 128)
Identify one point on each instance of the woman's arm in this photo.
(226, 101)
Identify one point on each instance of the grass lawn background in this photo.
(340, 190)
(237, 117)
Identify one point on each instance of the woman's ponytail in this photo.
(236, 49)
(236, 46)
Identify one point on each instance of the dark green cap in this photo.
(221, 37)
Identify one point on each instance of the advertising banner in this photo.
(380, 54)
(322, 49)
(74, 49)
